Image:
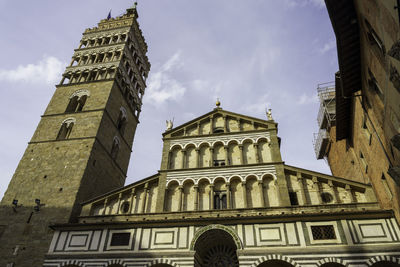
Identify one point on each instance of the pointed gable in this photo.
(219, 121)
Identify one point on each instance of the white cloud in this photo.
(258, 107)
(328, 46)
(48, 70)
(306, 99)
(162, 86)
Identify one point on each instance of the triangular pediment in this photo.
(220, 121)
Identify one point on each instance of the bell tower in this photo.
(82, 145)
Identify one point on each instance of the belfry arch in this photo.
(214, 246)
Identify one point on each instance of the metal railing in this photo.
(321, 139)
(326, 114)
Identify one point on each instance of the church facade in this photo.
(223, 195)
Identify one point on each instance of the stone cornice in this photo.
(106, 65)
(99, 49)
(106, 33)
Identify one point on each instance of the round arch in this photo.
(233, 141)
(235, 177)
(206, 144)
(202, 179)
(215, 245)
(275, 259)
(188, 145)
(72, 263)
(161, 263)
(176, 146)
(218, 142)
(227, 229)
(384, 261)
(249, 176)
(188, 180)
(172, 182)
(266, 175)
(331, 262)
(218, 178)
(247, 140)
(263, 138)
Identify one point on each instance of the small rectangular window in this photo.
(323, 232)
(120, 239)
(374, 38)
(374, 86)
(293, 199)
(363, 162)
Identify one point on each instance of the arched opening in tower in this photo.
(215, 248)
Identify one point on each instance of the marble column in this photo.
(132, 197)
(183, 163)
(119, 203)
(145, 193)
(278, 193)
(211, 197)
(228, 195)
(105, 206)
(241, 154)
(180, 201)
(225, 122)
(197, 159)
(317, 189)
(196, 197)
(332, 186)
(302, 191)
(350, 193)
(244, 190)
(257, 156)
(211, 156)
(261, 192)
(226, 156)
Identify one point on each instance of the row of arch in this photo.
(103, 40)
(274, 260)
(220, 154)
(221, 194)
(88, 75)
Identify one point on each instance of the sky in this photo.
(252, 55)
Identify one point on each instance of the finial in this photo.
(134, 4)
(170, 124)
(269, 114)
(218, 103)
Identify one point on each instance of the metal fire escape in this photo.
(326, 118)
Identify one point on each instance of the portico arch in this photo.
(275, 263)
(215, 245)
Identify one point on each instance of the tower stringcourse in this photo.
(82, 145)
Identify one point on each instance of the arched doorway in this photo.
(332, 264)
(385, 264)
(215, 248)
(275, 263)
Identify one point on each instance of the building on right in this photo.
(359, 118)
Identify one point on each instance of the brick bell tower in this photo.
(82, 145)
